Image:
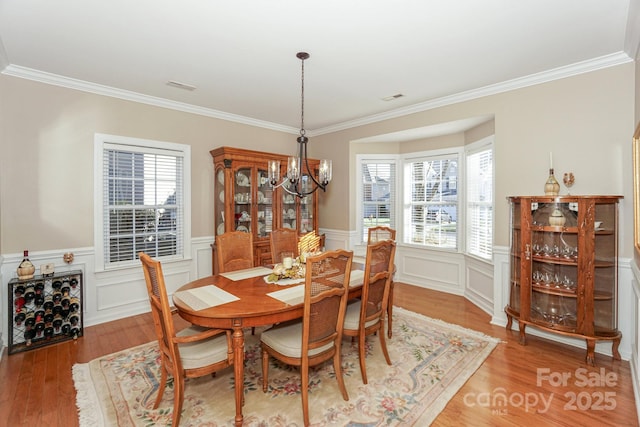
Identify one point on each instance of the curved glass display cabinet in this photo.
(564, 267)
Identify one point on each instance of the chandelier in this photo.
(300, 179)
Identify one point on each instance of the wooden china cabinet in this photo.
(564, 267)
(246, 201)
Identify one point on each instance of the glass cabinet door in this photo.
(289, 209)
(264, 201)
(305, 223)
(514, 255)
(605, 317)
(554, 268)
(218, 190)
(242, 199)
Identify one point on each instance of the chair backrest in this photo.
(160, 310)
(283, 240)
(377, 279)
(310, 242)
(235, 251)
(381, 232)
(325, 299)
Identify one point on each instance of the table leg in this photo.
(238, 370)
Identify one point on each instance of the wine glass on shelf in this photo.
(568, 179)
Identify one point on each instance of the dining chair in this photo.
(191, 352)
(316, 337)
(380, 232)
(235, 251)
(365, 316)
(283, 240)
(375, 234)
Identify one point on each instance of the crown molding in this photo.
(606, 61)
(81, 85)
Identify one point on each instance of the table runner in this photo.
(205, 297)
(246, 273)
(292, 296)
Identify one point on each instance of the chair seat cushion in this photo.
(352, 316)
(286, 339)
(202, 353)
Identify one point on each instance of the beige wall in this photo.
(46, 158)
(586, 121)
(46, 151)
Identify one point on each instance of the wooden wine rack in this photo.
(44, 310)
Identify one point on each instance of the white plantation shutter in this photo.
(143, 202)
(431, 201)
(480, 203)
(378, 194)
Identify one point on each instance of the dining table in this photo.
(245, 299)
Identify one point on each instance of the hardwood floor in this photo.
(36, 388)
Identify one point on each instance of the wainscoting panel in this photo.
(479, 283)
(114, 294)
(430, 269)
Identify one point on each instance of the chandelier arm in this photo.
(310, 172)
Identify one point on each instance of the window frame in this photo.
(393, 190)
(102, 142)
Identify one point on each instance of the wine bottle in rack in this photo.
(57, 323)
(38, 300)
(18, 291)
(20, 316)
(48, 331)
(30, 319)
(29, 334)
(29, 294)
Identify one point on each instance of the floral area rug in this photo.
(431, 360)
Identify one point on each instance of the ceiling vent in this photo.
(392, 97)
(179, 85)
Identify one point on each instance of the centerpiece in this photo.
(280, 272)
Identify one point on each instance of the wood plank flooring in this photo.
(36, 388)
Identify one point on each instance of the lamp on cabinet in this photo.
(298, 166)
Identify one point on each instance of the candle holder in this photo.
(551, 187)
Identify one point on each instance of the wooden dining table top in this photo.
(254, 307)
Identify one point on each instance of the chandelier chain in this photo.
(302, 131)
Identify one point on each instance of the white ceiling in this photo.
(240, 54)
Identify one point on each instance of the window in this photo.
(431, 200)
(479, 160)
(377, 193)
(142, 203)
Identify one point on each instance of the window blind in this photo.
(143, 203)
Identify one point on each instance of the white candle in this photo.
(550, 160)
(287, 262)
